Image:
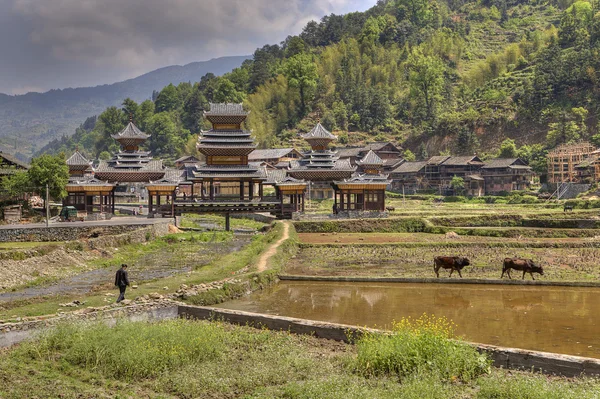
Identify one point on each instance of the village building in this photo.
(436, 174)
(130, 164)
(504, 175)
(278, 157)
(409, 177)
(85, 192)
(320, 166)
(364, 191)
(388, 152)
(10, 165)
(181, 162)
(563, 160)
(228, 182)
(588, 171)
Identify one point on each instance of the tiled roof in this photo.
(11, 159)
(131, 131)
(271, 153)
(502, 163)
(319, 132)
(187, 158)
(154, 165)
(349, 152)
(370, 159)
(77, 160)
(463, 161)
(273, 175)
(226, 109)
(378, 145)
(410, 167)
(437, 160)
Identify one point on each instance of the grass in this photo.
(193, 359)
(207, 264)
(27, 245)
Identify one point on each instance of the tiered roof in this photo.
(130, 164)
(131, 136)
(320, 163)
(226, 139)
(78, 164)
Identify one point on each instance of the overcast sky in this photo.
(46, 44)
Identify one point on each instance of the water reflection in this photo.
(553, 319)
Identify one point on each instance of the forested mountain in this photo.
(37, 118)
(432, 75)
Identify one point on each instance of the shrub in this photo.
(422, 346)
(130, 350)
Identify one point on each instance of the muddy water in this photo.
(552, 319)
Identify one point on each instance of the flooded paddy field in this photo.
(414, 258)
(551, 319)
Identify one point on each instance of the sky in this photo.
(51, 44)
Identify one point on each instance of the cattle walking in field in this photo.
(449, 262)
(526, 265)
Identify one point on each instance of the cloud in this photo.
(138, 35)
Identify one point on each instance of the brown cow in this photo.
(450, 262)
(526, 265)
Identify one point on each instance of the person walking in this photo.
(122, 281)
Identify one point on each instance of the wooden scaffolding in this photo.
(563, 160)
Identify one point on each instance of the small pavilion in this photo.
(84, 191)
(364, 191)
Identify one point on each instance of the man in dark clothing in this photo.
(122, 281)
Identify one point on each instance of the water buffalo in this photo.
(450, 262)
(526, 265)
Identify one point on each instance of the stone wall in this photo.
(69, 233)
(511, 358)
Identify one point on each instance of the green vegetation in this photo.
(46, 170)
(185, 359)
(193, 221)
(458, 76)
(420, 347)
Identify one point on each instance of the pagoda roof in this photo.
(367, 179)
(319, 132)
(227, 171)
(226, 109)
(336, 164)
(371, 159)
(187, 159)
(154, 165)
(131, 131)
(77, 159)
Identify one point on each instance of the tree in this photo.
(130, 109)
(419, 12)
(508, 149)
(104, 155)
(466, 141)
(426, 78)
(165, 139)
(458, 184)
(226, 92)
(51, 170)
(16, 184)
(301, 73)
(568, 128)
(409, 155)
(422, 152)
(168, 99)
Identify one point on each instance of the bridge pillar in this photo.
(227, 222)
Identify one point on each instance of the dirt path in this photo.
(261, 266)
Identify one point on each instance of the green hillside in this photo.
(434, 76)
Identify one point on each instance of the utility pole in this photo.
(47, 205)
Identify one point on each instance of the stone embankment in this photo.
(68, 233)
(20, 267)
